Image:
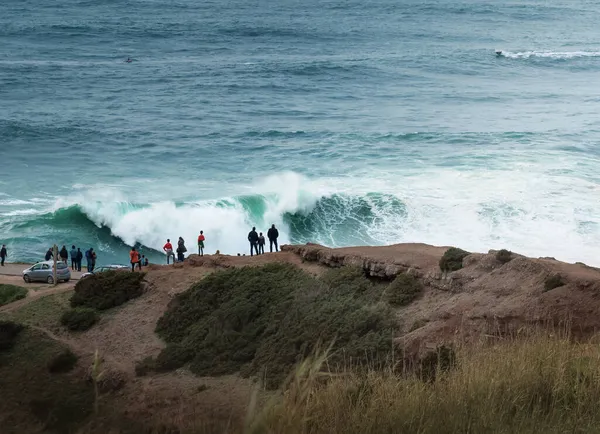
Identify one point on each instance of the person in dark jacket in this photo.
(79, 258)
(93, 258)
(3, 254)
(261, 244)
(73, 254)
(181, 249)
(64, 254)
(253, 239)
(49, 254)
(272, 235)
(90, 257)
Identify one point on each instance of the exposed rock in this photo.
(382, 262)
(484, 300)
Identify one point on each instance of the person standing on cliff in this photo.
(253, 239)
(79, 258)
(64, 254)
(201, 240)
(261, 244)
(93, 257)
(272, 235)
(181, 249)
(134, 256)
(3, 254)
(168, 248)
(49, 254)
(73, 254)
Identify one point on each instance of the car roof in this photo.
(46, 262)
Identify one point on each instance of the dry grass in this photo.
(541, 384)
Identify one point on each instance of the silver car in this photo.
(105, 268)
(43, 272)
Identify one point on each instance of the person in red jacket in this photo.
(168, 248)
(135, 259)
(201, 240)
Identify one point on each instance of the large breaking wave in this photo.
(478, 210)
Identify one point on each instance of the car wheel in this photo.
(26, 278)
(66, 280)
(50, 280)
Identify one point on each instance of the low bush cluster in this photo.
(64, 361)
(553, 281)
(453, 259)
(10, 293)
(403, 290)
(266, 319)
(79, 319)
(503, 256)
(8, 334)
(106, 290)
(145, 366)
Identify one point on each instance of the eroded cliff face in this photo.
(486, 299)
(384, 262)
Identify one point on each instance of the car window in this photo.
(61, 265)
(45, 267)
(37, 267)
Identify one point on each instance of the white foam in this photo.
(14, 202)
(544, 206)
(550, 54)
(21, 212)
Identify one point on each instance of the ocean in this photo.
(341, 122)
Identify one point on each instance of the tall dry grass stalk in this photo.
(532, 385)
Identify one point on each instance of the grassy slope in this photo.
(10, 293)
(528, 386)
(44, 312)
(34, 398)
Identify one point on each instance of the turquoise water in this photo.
(341, 122)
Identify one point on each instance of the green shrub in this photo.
(64, 361)
(174, 356)
(145, 366)
(403, 290)
(350, 280)
(8, 334)
(503, 256)
(452, 259)
(552, 282)
(79, 319)
(10, 293)
(109, 289)
(267, 319)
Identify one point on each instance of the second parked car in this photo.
(105, 268)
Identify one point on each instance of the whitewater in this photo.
(342, 124)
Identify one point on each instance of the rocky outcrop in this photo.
(380, 262)
(487, 298)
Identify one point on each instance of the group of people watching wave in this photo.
(181, 249)
(257, 240)
(137, 259)
(257, 245)
(76, 257)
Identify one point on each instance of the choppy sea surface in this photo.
(342, 122)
